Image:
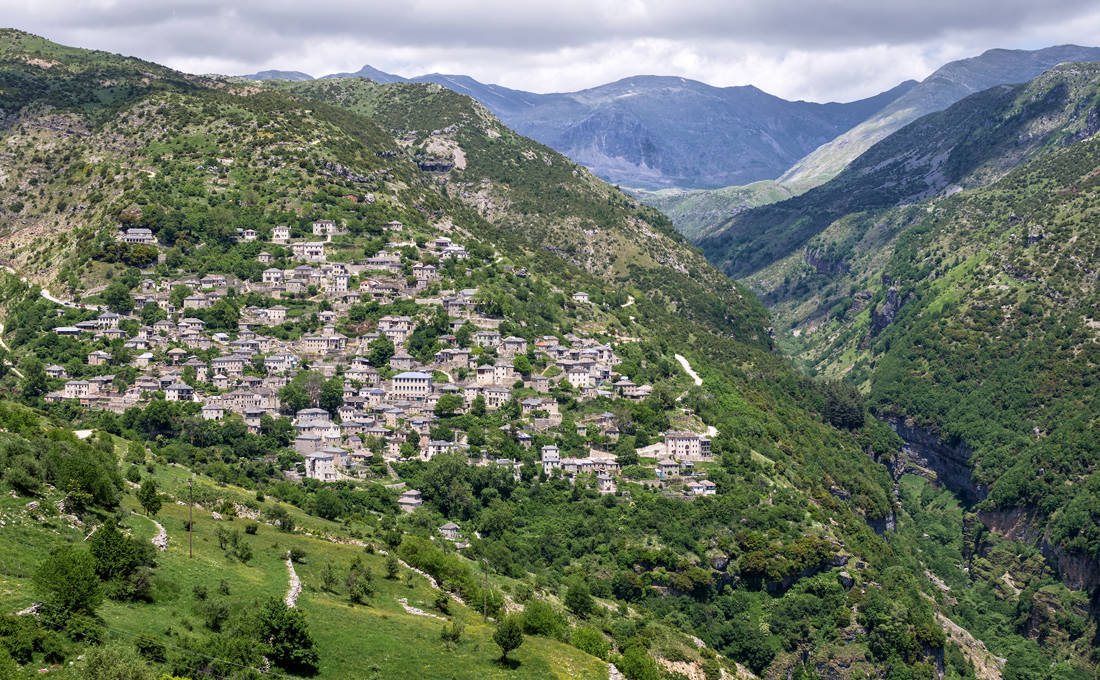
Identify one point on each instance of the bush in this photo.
(452, 633)
(68, 583)
(589, 640)
(442, 602)
(149, 647)
(286, 631)
(251, 528)
(539, 618)
(114, 662)
(579, 599)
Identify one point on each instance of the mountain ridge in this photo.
(622, 130)
(700, 214)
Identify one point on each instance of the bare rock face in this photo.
(884, 313)
(950, 461)
(1025, 525)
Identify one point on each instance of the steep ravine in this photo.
(924, 451)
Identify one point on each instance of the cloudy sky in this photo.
(818, 50)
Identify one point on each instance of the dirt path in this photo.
(161, 539)
(295, 588)
(8, 349)
(415, 611)
(687, 369)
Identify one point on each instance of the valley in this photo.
(349, 377)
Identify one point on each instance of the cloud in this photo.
(811, 49)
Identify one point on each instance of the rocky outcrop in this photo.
(927, 451)
(883, 525)
(1026, 525)
(886, 311)
(824, 262)
(435, 164)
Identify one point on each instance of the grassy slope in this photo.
(374, 640)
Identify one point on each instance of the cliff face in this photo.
(951, 465)
(1025, 525)
(951, 462)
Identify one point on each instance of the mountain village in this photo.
(395, 404)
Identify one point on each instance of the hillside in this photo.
(697, 212)
(970, 144)
(969, 318)
(654, 132)
(279, 271)
(373, 313)
(947, 85)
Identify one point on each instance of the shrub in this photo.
(508, 636)
(589, 640)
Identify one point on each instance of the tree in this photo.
(478, 407)
(178, 294)
(579, 599)
(294, 397)
(521, 364)
(9, 670)
(152, 313)
(327, 504)
(448, 405)
(118, 298)
(379, 351)
(223, 314)
(286, 632)
(508, 636)
(114, 552)
(67, 582)
(148, 497)
(635, 664)
(34, 377)
(332, 395)
(539, 618)
(393, 568)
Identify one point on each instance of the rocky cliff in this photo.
(950, 462)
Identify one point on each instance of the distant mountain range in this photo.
(701, 213)
(656, 131)
(659, 132)
(947, 85)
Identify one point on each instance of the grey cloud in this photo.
(493, 37)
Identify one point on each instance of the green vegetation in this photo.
(754, 571)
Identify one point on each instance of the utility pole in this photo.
(485, 590)
(190, 517)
